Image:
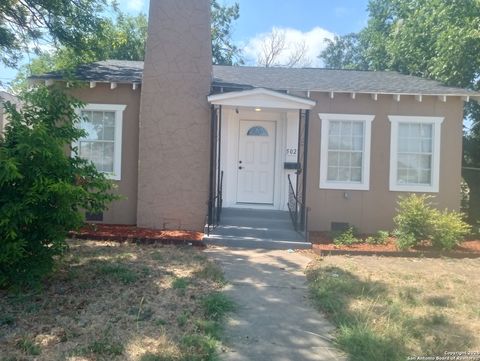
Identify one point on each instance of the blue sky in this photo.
(309, 21)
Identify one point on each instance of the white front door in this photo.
(256, 162)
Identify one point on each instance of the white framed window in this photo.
(415, 153)
(345, 151)
(103, 143)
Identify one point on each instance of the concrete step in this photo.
(254, 243)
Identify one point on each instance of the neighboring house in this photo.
(6, 97)
(180, 135)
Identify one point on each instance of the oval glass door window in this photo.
(258, 131)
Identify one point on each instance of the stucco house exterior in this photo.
(184, 138)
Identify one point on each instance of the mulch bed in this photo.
(323, 245)
(123, 233)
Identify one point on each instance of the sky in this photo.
(302, 21)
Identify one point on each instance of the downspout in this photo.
(304, 179)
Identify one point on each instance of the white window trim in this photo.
(117, 145)
(436, 139)
(367, 120)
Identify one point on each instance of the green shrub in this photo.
(417, 221)
(448, 228)
(405, 241)
(381, 237)
(346, 238)
(44, 190)
(414, 217)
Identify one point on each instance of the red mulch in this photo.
(122, 233)
(323, 244)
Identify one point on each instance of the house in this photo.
(184, 138)
(6, 97)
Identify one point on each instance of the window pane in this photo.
(358, 129)
(108, 157)
(109, 133)
(414, 130)
(357, 143)
(356, 160)
(334, 143)
(334, 128)
(332, 174)
(333, 158)
(403, 130)
(109, 119)
(425, 177)
(356, 174)
(426, 131)
(427, 146)
(85, 150)
(257, 131)
(344, 174)
(346, 129)
(344, 159)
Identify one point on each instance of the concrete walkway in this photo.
(274, 319)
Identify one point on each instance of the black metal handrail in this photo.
(298, 211)
(216, 204)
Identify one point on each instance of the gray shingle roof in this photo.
(292, 79)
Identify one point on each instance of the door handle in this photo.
(240, 167)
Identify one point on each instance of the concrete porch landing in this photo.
(256, 229)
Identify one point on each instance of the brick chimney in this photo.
(174, 136)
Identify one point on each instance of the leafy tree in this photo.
(434, 39)
(124, 38)
(43, 188)
(224, 52)
(32, 23)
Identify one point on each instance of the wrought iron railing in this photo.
(298, 211)
(216, 204)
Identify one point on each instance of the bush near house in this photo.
(44, 190)
(418, 221)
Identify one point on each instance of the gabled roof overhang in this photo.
(261, 98)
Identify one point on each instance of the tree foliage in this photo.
(224, 52)
(123, 37)
(435, 39)
(44, 189)
(26, 24)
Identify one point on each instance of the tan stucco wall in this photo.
(174, 116)
(372, 210)
(123, 211)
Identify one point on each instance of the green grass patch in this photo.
(104, 347)
(28, 347)
(388, 320)
(118, 272)
(199, 348)
(211, 271)
(180, 283)
(216, 305)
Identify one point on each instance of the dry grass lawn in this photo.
(389, 308)
(110, 301)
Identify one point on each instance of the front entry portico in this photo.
(257, 150)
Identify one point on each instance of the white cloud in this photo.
(135, 5)
(314, 41)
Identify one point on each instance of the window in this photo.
(415, 153)
(257, 131)
(103, 143)
(345, 151)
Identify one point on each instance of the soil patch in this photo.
(125, 233)
(323, 243)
